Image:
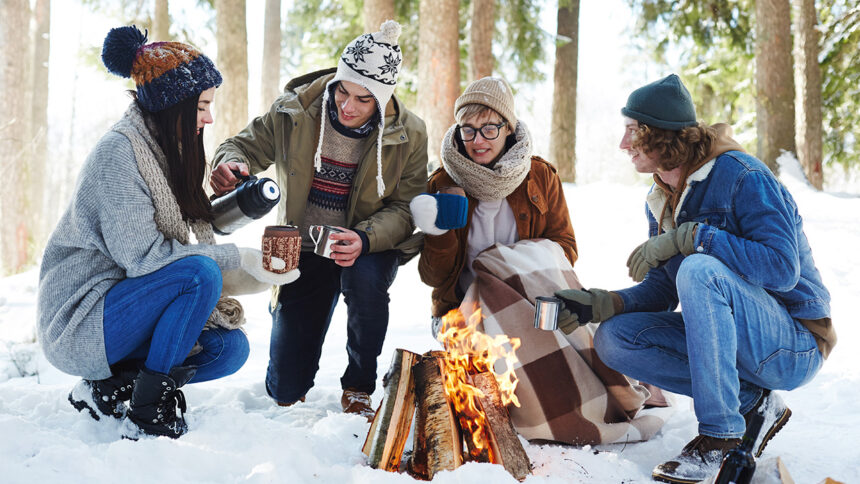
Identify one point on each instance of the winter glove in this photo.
(251, 278)
(661, 248)
(582, 307)
(436, 213)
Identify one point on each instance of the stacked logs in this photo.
(414, 386)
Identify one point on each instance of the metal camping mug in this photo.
(546, 312)
(322, 242)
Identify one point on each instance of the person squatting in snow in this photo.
(490, 189)
(125, 300)
(727, 244)
(348, 154)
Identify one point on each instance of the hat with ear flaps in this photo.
(373, 62)
(165, 73)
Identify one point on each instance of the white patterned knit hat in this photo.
(373, 62)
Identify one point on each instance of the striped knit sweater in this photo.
(330, 188)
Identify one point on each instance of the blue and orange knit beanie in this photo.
(165, 72)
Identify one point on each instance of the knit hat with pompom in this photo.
(165, 72)
(373, 62)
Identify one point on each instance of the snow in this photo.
(238, 434)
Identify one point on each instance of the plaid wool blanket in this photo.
(566, 393)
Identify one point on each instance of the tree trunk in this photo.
(161, 21)
(39, 119)
(481, 39)
(438, 69)
(270, 84)
(14, 37)
(807, 78)
(562, 144)
(774, 81)
(231, 102)
(375, 12)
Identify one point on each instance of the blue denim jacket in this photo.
(750, 222)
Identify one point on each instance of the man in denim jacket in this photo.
(727, 244)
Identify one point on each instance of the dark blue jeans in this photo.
(303, 314)
(159, 316)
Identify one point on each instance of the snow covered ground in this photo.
(238, 435)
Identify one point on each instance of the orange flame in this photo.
(471, 351)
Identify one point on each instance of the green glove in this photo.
(581, 307)
(661, 248)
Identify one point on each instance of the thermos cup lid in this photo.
(270, 190)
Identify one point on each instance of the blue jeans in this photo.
(731, 340)
(159, 316)
(303, 314)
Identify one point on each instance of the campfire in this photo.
(458, 398)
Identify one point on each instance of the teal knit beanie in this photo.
(663, 104)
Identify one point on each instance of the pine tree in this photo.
(563, 135)
(231, 103)
(270, 81)
(807, 78)
(774, 81)
(438, 69)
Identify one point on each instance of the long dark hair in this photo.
(186, 158)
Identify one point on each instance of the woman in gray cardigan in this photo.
(126, 300)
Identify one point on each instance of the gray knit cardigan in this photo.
(108, 233)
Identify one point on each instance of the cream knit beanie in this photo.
(492, 92)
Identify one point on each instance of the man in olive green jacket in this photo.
(348, 154)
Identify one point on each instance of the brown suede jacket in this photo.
(540, 211)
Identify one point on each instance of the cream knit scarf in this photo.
(151, 162)
(484, 183)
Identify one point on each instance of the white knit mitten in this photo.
(238, 282)
(424, 211)
(251, 278)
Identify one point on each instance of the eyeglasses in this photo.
(488, 131)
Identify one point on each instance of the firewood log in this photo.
(436, 440)
(505, 446)
(390, 428)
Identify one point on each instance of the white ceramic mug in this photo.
(322, 241)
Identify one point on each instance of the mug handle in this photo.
(311, 233)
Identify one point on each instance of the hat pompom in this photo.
(119, 49)
(390, 31)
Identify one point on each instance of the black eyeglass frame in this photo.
(481, 129)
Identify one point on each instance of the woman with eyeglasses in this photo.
(512, 195)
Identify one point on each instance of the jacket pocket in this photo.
(536, 197)
(714, 219)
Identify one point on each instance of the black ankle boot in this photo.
(106, 397)
(154, 401)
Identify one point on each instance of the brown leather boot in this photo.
(700, 459)
(357, 402)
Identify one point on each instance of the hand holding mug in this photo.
(347, 247)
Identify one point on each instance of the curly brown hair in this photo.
(671, 149)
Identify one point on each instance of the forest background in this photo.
(781, 72)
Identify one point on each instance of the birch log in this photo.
(390, 427)
(437, 444)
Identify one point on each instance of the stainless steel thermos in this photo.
(251, 199)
